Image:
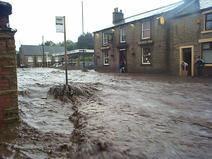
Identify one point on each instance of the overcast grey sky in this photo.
(34, 18)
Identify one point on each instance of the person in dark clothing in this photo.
(199, 66)
(122, 67)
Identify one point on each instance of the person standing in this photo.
(199, 64)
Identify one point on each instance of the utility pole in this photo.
(83, 51)
(47, 58)
(82, 20)
(43, 48)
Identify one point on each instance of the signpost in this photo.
(61, 28)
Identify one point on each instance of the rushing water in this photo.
(130, 116)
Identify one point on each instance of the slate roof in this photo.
(36, 50)
(153, 12)
(204, 4)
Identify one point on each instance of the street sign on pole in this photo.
(61, 28)
(59, 24)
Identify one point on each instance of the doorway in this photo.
(187, 61)
(123, 60)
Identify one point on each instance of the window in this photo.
(146, 55)
(207, 52)
(105, 38)
(122, 35)
(49, 59)
(40, 59)
(145, 30)
(106, 58)
(208, 21)
(56, 59)
(30, 59)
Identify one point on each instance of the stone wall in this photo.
(182, 28)
(184, 31)
(133, 48)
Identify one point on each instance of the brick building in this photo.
(8, 77)
(157, 41)
(32, 55)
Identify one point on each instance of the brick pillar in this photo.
(8, 76)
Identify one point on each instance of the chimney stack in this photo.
(118, 16)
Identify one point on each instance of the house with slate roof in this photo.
(157, 41)
(32, 55)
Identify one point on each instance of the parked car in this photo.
(57, 65)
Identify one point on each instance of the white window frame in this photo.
(106, 57)
(30, 59)
(122, 35)
(105, 39)
(39, 59)
(142, 30)
(142, 62)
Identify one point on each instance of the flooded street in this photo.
(120, 116)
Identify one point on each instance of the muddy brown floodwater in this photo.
(116, 116)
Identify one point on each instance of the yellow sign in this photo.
(145, 42)
(162, 20)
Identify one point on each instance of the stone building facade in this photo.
(157, 41)
(8, 76)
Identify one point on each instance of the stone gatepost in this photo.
(8, 76)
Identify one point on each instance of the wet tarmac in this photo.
(123, 116)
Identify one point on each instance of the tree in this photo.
(85, 41)
(69, 44)
(49, 43)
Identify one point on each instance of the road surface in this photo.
(124, 116)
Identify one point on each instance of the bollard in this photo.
(8, 75)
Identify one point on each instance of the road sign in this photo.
(59, 24)
(61, 28)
